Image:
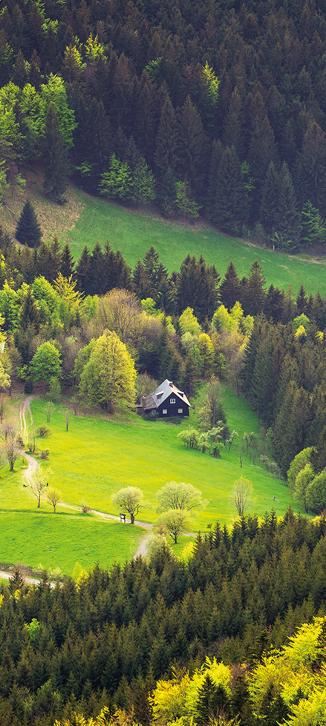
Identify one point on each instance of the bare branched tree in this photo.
(37, 485)
(53, 498)
(241, 495)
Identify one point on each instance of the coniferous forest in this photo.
(216, 109)
(211, 113)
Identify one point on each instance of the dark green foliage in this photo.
(147, 79)
(28, 230)
(285, 381)
(212, 702)
(55, 159)
(230, 207)
(105, 640)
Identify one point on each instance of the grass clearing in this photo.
(85, 220)
(133, 232)
(64, 542)
(147, 454)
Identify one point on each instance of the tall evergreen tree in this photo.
(230, 204)
(269, 208)
(55, 158)
(167, 139)
(67, 263)
(28, 230)
(230, 287)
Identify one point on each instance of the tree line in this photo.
(106, 640)
(186, 107)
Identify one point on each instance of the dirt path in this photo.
(32, 467)
(7, 574)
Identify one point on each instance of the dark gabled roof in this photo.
(166, 389)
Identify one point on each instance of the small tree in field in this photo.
(11, 446)
(53, 498)
(28, 230)
(241, 494)
(130, 499)
(37, 485)
(177, 495)
(174, 522)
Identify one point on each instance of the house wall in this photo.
(172, 408)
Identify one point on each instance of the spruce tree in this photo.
(67, 263)
(212, 702)
(191, 146)
(269, 214)
(212, 192)
(28, 230)
(231, 203)
(288, 222)
(167, 139)
(230, 287)
(55, 157)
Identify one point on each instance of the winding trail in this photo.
(32, 467)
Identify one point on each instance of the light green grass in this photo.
(65, 542)
(134, 232)
(98, 456)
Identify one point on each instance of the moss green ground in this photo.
(134, 232)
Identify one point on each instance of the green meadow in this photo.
(133, 232)
(64, 543)
(97, 456)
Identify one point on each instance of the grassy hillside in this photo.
(130, 451)
(85, 220)
(133, 233)
(148, 454)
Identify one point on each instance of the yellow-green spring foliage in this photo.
(297, 673)
(176, 701)
(294, 675)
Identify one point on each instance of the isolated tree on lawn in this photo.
(55, 157)
(129, 499)
(108, 378)
(11, 447)
(175, 522)
(28, 230)
(178, 495)
(241, 494)
(37, 484)
(53, 498)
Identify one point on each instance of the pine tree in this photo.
(167, 193)
(191, 146)
(230, 287)
(212, 701)
(167, 139)
(212, 192)
(288, 222)
(83, 271)
(67, 263)
(254, 292)
(269, 208)
(231, 204)
(28, 230)
(55, 158)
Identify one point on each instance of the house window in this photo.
(172, 400)
(180, 410)
(164, 411)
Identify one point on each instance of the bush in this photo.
(43, 432)
(44, 454)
